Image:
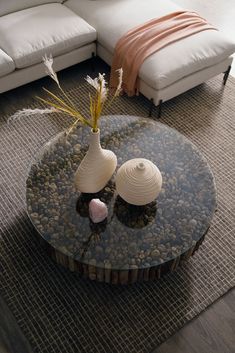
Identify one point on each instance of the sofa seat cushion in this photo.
(8, 6)
(52, 28)
(168, 65)
(6, 64)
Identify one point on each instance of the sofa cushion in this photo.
(179, 60)
(113, 18)
(6, 64)
(167, 65)
(8, 6)
(53, 28)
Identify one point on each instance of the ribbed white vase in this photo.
(96, 168)
(138, 181)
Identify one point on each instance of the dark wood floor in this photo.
(11, 338)
(211, 332)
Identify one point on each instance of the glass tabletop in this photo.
(132, 236)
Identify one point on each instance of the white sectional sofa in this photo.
(173, 69)
(68, 31)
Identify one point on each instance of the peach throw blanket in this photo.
(142, 41)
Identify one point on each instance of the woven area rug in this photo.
(59, 312)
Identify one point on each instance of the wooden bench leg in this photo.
(159, 109)
(226, 75)
(93, 62)
(152, 106)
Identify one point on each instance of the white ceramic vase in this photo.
(96, 168)
(138, 181)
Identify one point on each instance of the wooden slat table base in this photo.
(120, 277)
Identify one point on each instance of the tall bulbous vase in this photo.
(96, 168)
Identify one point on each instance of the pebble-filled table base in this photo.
(135, 242)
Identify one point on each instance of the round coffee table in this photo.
(134, 243)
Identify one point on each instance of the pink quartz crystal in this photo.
(98, 211)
